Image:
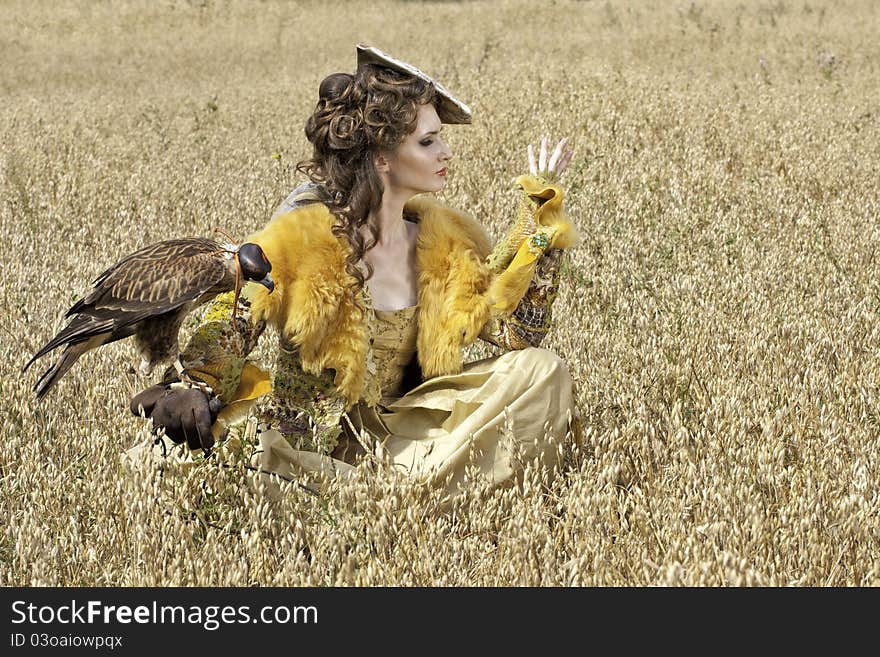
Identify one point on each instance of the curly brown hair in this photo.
(357, 117)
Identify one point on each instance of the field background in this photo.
(721, 318)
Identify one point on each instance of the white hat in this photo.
(450, 109)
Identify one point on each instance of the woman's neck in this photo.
(389, 218)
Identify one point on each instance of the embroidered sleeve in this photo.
(218, 349)
(304, 407)
(526, 264)
(530, 321)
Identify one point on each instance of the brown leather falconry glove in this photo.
(185, 413)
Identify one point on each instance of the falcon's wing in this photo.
(157, 279)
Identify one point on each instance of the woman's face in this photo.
(419, 163)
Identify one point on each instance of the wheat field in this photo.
(721, 317)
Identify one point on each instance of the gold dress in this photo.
(495, 415)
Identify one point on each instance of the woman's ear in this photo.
(380, 161)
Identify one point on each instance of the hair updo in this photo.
(357, 117)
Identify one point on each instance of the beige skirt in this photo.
(491, 419)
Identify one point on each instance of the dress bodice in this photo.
(393, 343)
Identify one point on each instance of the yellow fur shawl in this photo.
(310, 306)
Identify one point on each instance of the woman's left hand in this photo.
(556, 165)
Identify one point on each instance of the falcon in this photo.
(148, 294)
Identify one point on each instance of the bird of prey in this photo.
(148, 294)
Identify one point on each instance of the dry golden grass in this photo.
(721, 319)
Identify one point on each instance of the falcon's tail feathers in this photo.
(51, 376)
(82, 329)
(42, 352)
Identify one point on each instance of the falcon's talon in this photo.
(188, 382)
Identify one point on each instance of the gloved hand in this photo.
(186, 413)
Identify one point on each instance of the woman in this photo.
(377, 291)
